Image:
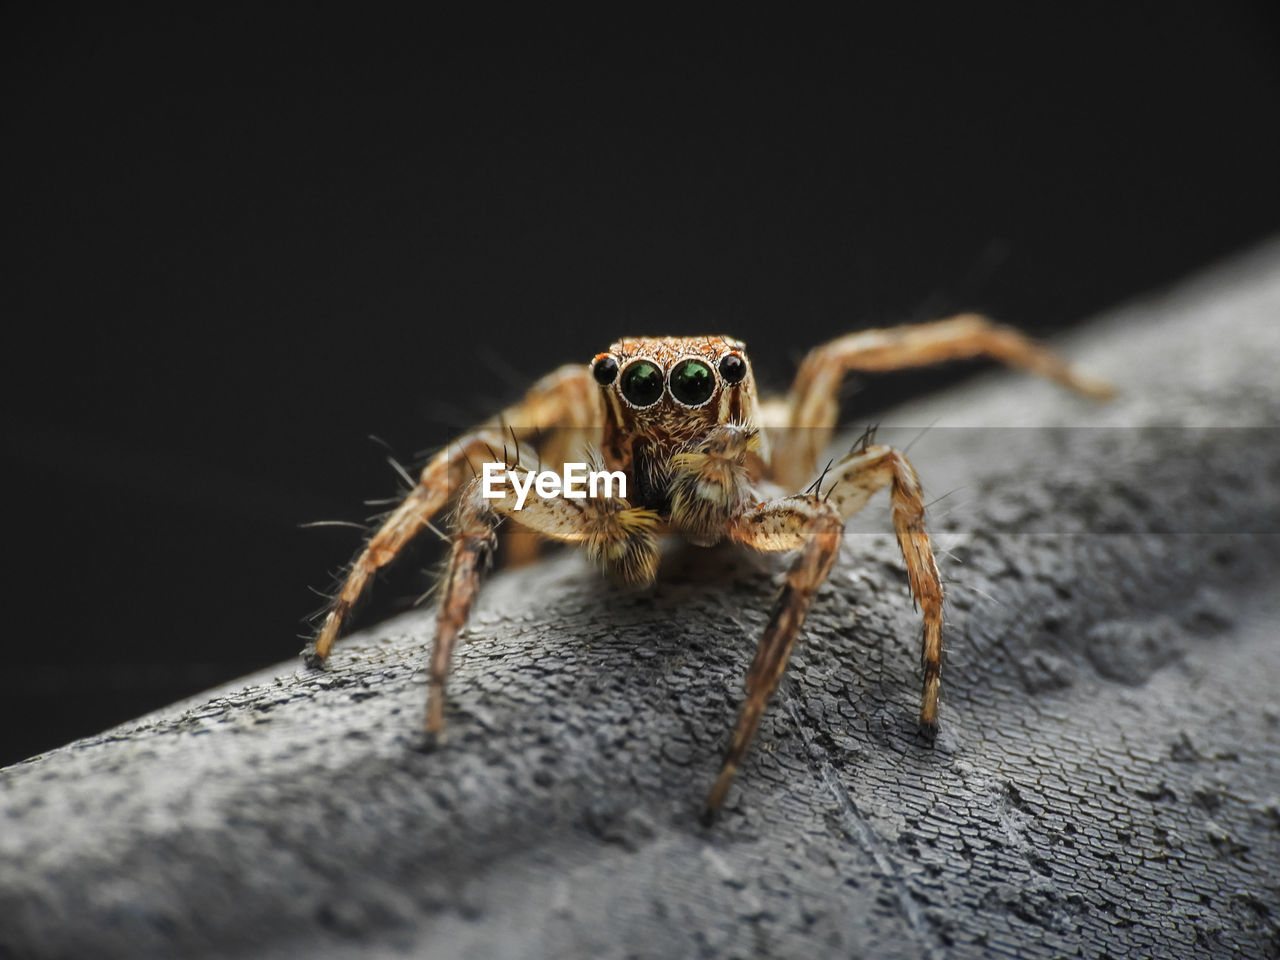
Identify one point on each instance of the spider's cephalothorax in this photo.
(681, 422)
(704, 459)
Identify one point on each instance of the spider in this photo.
(703, 458)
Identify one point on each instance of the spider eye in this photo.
(642, 383)
(605, 370)
(692, 382)
(733, 368)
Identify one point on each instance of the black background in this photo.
(241, 242)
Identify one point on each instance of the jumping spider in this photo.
(704, 458)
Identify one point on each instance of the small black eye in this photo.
(692, 382)
(605, 370)
(642, 383)
(733, 368)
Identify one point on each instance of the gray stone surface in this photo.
(1106, 783)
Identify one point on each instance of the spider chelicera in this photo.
(704, 458)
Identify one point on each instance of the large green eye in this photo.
(692, 382)
(642, 383)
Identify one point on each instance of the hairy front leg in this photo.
(619, 538)
(816, 528)
(567, 398)
(815, 524)
(860, 474)
(814, 398)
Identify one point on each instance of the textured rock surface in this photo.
(1107, 781)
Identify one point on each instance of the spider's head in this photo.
(661, 393)
(675, 386)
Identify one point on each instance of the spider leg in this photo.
(817, 528)
(620, 538)
(815, 523)
(473, 542)
(859, 475)
(555, 448)
(565, 398)
(814, 394)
